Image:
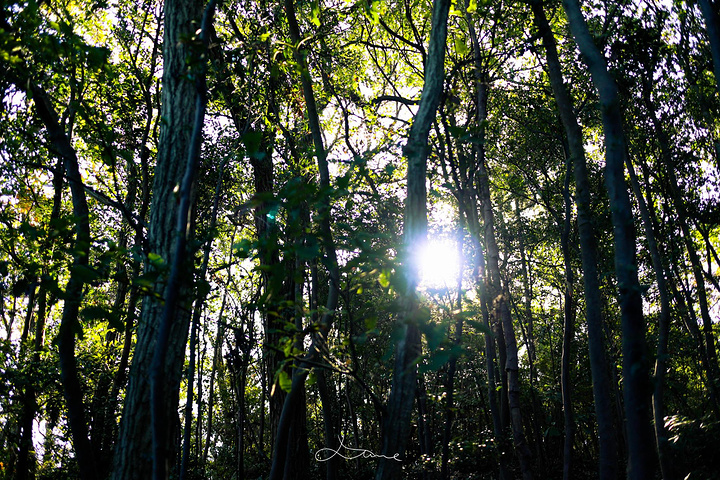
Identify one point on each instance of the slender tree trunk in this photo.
(710, 14)
(608, 464)
(396, 424)
(482, 275)
(503, 320)
(636, 382)
(661, 433)
(69, 323)
(531, 356)
(568, 332)
(288, 427)
(452, 366)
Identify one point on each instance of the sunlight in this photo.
(439, 264)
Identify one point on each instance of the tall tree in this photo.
(135, 442)
(396, 421)
(636, 382)
(588, 249)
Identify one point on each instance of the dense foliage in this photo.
(405, 236)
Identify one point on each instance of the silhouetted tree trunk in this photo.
(396, 424)
(710, 14)
(599, 367)
(568, 331)
(69, 323)
(290, 425)
(636, 382)
(481, 272)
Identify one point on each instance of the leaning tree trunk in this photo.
(396, 424)
(133, 458)
(637, 387)
(588, 251)
(69, 322)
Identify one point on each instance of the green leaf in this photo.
(156, 260)
(460, 47)
(84, 273)
(312, 379)
(437, 361)
(479, 326)
(315, 13)
(371, 323)
(252, 140)
(384, 279)
(242, 248)
(284, 381)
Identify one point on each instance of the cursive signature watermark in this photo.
(353, 453)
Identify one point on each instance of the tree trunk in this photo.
(69, 323)
(709, 10)
(608, 464)
(636, 382)
(481, 272)
(661, 433)
(568, 332)
(290, 425)
(133, 460)
(396, 424)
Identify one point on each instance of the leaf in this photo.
(437, 361)
(284, 381)
(252, 140)
(315, 13)
(156, 260)
(242, 248)
(384, 279)
(479, 326)
(84, 273)
(460, 47)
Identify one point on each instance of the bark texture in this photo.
(133, 458)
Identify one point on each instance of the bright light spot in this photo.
(439, 264)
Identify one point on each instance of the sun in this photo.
(439, 264)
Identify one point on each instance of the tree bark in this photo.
(133, 457)
(396, 424)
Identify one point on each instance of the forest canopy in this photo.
(376, 239)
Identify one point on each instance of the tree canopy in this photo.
(385, 238)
